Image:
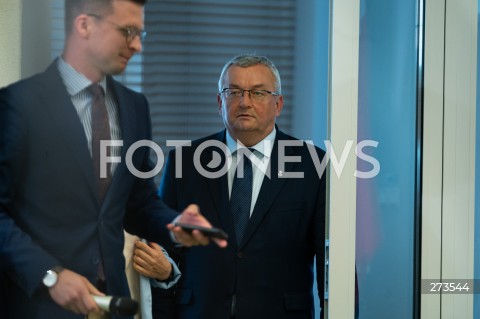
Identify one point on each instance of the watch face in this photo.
(50, 278)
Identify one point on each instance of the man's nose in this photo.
(136, 44)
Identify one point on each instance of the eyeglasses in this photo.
(256, 95)
(129, 32)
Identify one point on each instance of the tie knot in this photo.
(244, 164)
(245, 151)
(95, 90)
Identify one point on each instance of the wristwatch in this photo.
(51, 276)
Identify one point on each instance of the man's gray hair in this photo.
(247, 60)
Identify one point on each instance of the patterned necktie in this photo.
(241, 197)
(100, 131)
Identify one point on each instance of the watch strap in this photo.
(58, 269)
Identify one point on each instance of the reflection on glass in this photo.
(387, 114)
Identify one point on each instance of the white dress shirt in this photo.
(260, 159)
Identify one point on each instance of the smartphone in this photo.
(209, 232)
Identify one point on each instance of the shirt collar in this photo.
(264, 147)
(74, 81)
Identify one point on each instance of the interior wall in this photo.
(10, 30)
(35, 36)
(25, 27)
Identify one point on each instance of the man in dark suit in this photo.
(61, 218)
(267, 270)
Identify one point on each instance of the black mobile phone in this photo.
(209, 232)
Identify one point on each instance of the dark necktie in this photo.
(100, 131)
(241, 196)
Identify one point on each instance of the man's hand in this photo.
(191, 215)
(150, 261)
(73, 292)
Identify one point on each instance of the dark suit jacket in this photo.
(270, 274)
(49, 209)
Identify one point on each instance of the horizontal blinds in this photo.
(57, 27)
(188, 43)
(132, 77)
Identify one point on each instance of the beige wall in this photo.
(25, 38)
(35, 36)
(10, 37)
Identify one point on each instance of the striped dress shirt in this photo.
(76, 84)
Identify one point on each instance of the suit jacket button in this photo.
(240, 254)
(95, 260)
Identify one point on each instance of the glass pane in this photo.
(387, 114)
(476, 297)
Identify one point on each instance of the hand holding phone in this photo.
(209, 232)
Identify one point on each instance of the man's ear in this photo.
(279, 105)
(82, 25)
(219, 102)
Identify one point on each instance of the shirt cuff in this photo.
(172, 235)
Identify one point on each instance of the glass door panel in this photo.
(387, 111)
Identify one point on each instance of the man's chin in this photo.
(116, 72)
(243, 128)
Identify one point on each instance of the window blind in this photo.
(57, 27)
(188, 43)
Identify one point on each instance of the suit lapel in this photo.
(270, 188)
(56, 100)
(218, 187)
(127, 117)
(59, 104)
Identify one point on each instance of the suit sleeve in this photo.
(176, 275)
(167, 190)
(23, 260)
(146, 214)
